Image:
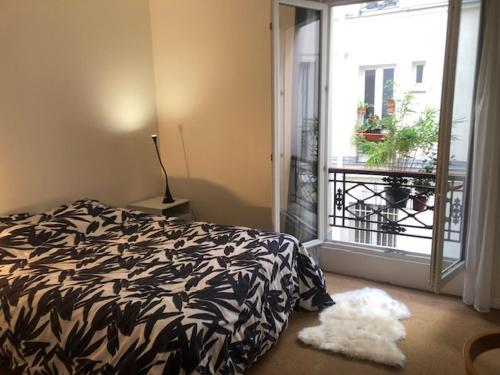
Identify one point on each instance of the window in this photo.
(418, 69)
(370, 91)
(420, 73)
(379, 5)
(362, 233)
(368, 225)
(386, 216)
(378, 88)
(387, 89)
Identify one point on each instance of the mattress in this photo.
(91, 289)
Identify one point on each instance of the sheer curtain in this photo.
(484, 223)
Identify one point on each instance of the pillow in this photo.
(68, 224)
(63, 225)
(49, 220)
(25, 236)
(18, 219)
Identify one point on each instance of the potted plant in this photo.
(390, 105)
(362, 108)
(422, 193)
(407, 135)
(371, 130)
(424, 185)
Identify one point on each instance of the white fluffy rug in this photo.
(362, 324)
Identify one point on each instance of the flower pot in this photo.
(373, 136)
(420, 202)
(361, 111)
(397, 196)
(391, 105)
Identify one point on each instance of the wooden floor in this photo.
(436, 333)
(435, 336)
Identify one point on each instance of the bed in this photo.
(91, 289)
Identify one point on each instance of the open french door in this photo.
(302, 34)
(300, 30)
(455, 141)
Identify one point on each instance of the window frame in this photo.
(418, 86)
(379, 84)
(369, 233)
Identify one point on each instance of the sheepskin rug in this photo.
(363, 324)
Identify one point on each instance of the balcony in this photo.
(377, 207)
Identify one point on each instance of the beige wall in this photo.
(77, 103)
(213, 75)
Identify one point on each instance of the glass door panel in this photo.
(299, 60)
(461, 132)
(386, 75)
(455, 158)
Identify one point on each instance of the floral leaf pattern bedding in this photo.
(91, 289)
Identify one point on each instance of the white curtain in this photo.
(483, 248)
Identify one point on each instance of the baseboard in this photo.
(407, 273)
(495, 303)
(393, 271)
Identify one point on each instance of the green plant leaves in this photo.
(407, 135)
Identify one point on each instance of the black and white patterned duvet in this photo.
(92, 289)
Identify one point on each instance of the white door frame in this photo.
(417, 267)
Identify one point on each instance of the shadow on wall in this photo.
(215, 203)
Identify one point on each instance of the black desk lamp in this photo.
(168, 196)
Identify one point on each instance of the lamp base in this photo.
(168, 200)
(168, 197)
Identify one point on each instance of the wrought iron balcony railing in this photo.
(398, 203)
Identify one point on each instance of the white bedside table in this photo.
(181, 208)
